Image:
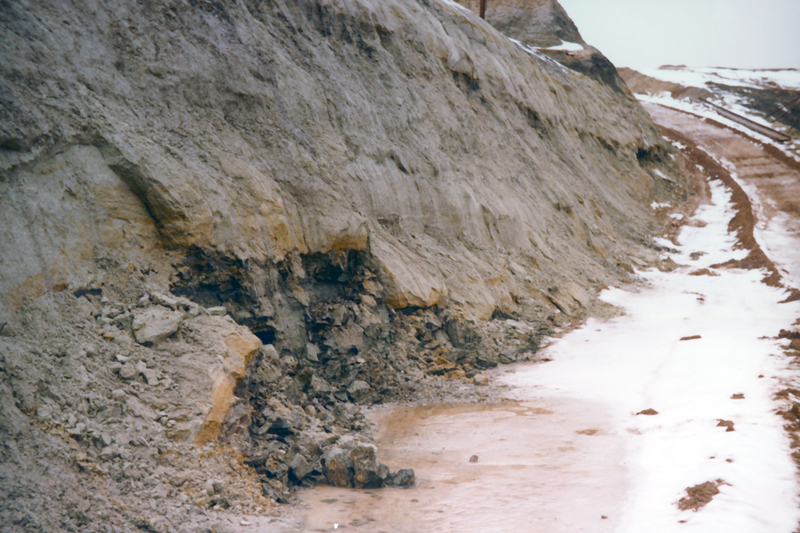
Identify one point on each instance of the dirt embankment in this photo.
(225, 227)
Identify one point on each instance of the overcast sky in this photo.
(698, 33)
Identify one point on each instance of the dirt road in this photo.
(770, 179)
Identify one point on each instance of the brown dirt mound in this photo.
(700, 495)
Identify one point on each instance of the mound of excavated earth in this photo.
(224, 226)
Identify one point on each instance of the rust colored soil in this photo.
(700, 495)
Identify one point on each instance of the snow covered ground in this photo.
(700, 77)
(790, 149)
(639, 362)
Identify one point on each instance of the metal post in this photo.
(483, 9)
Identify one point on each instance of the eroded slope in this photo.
(357, 185)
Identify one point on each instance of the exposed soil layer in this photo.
(538, 465)
(700, 495)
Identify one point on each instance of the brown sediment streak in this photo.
(743, 222)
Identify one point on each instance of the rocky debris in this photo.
(738, 396)
(700, 495)
(480, 379)
(473, 459)
(649, 412)
(154, 324)
(353, 464)
(691, 338)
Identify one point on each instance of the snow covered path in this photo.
(639, 362)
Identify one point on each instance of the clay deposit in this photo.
(225, 226)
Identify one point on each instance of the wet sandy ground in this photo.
(542, 465)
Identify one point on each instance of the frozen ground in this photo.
(639, 362)
(700, 77)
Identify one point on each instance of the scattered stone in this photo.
(440, 366)
(367, 472)
(164, 300)
(109, 452)
(337, 467)
(359, 391)
(691, 338)
(402, 478)
(508, 356)
(457, 373)
(119, 394)
(649, 412)
(312, 352)
(127, 372)
(154, 324)
(473, 459)
(480, 379)
(300, 467)
(217, 311)
(485, 361)
(281, 427)
(738, 396)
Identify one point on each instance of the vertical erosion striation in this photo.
(234, 222)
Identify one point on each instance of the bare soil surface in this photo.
(542, 465)
(700, 495)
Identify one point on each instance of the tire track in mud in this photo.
(743, 222)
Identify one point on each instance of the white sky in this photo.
(696, 33)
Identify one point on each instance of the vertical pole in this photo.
(483, 9)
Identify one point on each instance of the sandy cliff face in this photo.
(348, 181)
(259, 131)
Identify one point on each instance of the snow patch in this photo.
(566, 46)
(638, 362)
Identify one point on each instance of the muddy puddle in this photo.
(530, 465)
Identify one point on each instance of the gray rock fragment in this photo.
(154, 324)
(127, 371)
(359, 391)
